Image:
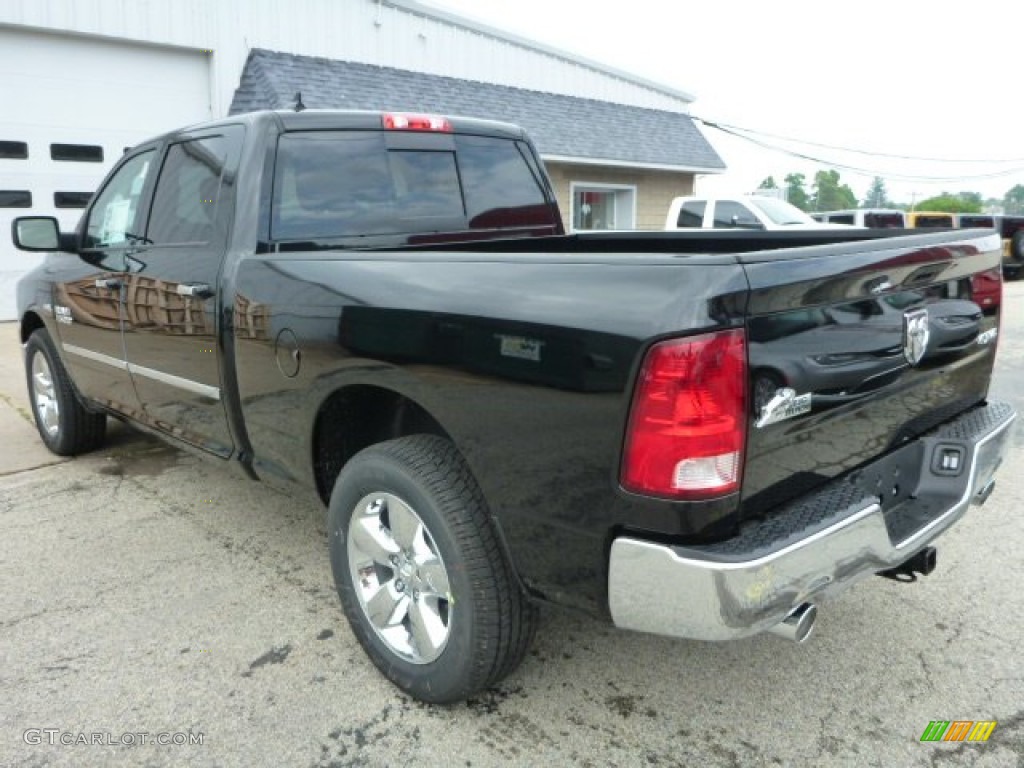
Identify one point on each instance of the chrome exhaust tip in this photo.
(798, 625)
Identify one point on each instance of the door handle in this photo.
(195, 290)
(108, 282)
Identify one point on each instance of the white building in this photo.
(83, 80)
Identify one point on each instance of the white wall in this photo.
(398, 33)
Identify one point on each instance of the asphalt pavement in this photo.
(147, 595)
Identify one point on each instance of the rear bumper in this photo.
(814, 548)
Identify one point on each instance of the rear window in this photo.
(933, 221)
(883, 220)
(968, 222)
(331, 184)
(841, 218)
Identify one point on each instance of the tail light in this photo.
(404, 121)
(687, 424)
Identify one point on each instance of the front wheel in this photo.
(65, 425)
(420, 573)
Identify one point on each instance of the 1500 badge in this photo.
(785, 404)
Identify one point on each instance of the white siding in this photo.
(399, 34)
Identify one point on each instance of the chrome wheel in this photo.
(399, 578)
(44, 396)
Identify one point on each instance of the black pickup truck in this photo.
(696, 434)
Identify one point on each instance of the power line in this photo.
(728, 128)
(859, 169)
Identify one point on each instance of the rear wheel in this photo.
(65, 425)
(420, 573)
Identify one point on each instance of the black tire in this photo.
(64, 424)
(488, 621)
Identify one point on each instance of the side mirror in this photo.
(39, 234)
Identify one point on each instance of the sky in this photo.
(902, 77)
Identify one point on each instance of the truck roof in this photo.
(350, 119)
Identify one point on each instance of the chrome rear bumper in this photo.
(753, 582)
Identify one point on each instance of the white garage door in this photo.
(70, 107)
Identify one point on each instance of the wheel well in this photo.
(30, 323)
(359, 416)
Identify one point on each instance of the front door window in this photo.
(112, 218)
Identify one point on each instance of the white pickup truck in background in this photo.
(739, 212)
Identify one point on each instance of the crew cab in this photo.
(702, 435)
(739, 212)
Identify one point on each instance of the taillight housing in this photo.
(405, 121)
(687, 427)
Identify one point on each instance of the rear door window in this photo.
(185, 203)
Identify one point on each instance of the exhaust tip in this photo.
(798, 625)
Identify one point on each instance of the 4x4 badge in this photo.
(915, 335)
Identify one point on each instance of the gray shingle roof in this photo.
(562, 126)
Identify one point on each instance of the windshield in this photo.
(781, 212)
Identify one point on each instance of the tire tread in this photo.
(80, 431)
(505, 618)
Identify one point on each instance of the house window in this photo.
(603, 206)
(15, 198)
(14, 150)
(77, 153)
(71, 199)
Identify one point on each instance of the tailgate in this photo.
(858, 347)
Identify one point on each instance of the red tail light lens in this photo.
(403, 121)
(687, 425)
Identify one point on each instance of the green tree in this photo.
(1013, 201)
(768, 183)
(829, 194)
(964, 202)
(795, 191)
(974, 199)
(877, 197)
